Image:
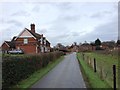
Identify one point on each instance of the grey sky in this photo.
(61, 22)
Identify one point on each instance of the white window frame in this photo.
(45, 41)
(41, 40)
(46, 49)
(25, 41)
(42, 49)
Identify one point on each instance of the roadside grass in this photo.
(105, 62)
(92, 78)
(27, 83)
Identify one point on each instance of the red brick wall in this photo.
(30, 40)
(4, 46)
(27, 48)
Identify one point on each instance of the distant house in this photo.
(86, 47)
(29, 41)
(73, 48)
(108, 45)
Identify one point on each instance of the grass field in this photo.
(27, 83)
(104, 66)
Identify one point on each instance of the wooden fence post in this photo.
(95, 65)
(87, 60)
(114, 77)
(83, 56)
(101, 72)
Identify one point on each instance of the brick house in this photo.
(29, 41)
(7, 45)
(86, 47)
(108, 45)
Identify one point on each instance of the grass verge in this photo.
(27, 83)
(91, 78)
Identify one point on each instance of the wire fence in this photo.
(104, 71)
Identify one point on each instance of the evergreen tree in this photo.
(97, 42)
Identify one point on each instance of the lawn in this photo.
(27, 83)
(104, 69)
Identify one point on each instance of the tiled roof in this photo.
(10, 43)
(36, 35)
(13, 38)
(47, 41)
(85, 44)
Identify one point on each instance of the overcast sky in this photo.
(61, 22)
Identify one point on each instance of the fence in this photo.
(107, 73)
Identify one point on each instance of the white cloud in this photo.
(59, 22)
(108, 31)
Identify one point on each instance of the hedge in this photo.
(17, 68)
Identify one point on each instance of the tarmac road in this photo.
(66, 74)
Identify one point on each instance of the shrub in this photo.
(17, 68)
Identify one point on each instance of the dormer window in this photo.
(25, 41)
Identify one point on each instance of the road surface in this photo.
(66, 74)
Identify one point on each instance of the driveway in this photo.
(66, 74)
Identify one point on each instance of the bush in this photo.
(17, 68)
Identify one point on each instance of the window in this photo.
(45, 42)
(42, 49)
(25, 41)
(46, 49)
(41, 40)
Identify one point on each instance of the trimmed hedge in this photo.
(17, 68)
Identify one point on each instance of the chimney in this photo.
(33, 28)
